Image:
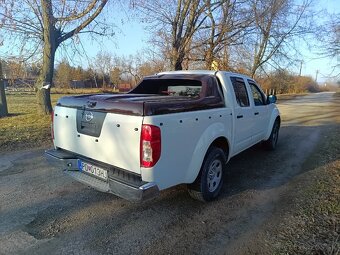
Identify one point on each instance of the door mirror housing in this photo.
(271, 99)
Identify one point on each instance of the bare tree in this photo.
(226, 25)
(63, 74)
(330, 42)
(115, 74)
(15, 70)
(3, 102)
(332, 48)
(103, 64)
(277, 23)
(46, 24)
(174, 24)
(134, 67)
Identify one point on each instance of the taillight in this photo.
(150, 145)
(52, 130)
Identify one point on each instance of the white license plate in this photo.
(93, 170)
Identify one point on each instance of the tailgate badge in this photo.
(88, 116)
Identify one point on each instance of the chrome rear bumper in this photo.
(122, 188)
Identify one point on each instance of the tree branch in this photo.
(75, 16)
(83, 24)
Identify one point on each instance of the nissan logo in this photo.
(88, 116)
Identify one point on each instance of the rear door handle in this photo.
(256, 113)
(239, 116)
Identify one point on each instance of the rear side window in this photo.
(240, 91)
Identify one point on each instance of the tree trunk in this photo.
(176, 58)
(44, 82)
(209, 59)
(178, 65)
(3, 102)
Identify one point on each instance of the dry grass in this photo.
(82, 91)
(284, 97)
(23, 128)
(311, 223)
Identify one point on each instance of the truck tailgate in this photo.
(107, 137)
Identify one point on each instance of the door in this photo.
(243, 115)
(260, 113)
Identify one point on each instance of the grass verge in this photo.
(285, 97)
(311, 223)
(23, 128)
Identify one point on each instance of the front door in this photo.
(260, 113)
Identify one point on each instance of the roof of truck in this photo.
(202, 72)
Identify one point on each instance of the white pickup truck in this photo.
(177, 127)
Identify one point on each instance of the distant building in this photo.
(20, 84)
(77, 84)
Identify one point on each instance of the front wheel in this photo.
(271, 143)
(209, 182)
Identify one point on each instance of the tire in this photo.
(271, 143)
(209, 182)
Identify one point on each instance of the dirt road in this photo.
(44, 212)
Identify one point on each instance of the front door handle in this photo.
(256, 113)
(239, 116)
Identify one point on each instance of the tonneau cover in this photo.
(138, 104)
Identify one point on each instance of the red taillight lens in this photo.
(150, 145)
(52, 130)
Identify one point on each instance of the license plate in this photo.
(93, 170)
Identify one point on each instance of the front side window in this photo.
(240, 91)
(257, 95)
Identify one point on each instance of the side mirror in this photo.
(271, 99)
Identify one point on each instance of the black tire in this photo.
(209, 182)
(271, 143)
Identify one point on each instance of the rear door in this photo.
(243, 115)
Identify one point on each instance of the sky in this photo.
(311, 62)
(131, 38)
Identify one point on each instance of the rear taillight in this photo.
(52, 130)
(150, 145)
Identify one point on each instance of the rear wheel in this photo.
(209, 182)
(271, 143)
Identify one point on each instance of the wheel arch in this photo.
(275, 115)
(199, 156)
(223, 143)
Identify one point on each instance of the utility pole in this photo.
(3, 102)
(316, 75)
(300, 68)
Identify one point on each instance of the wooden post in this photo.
(3, 102)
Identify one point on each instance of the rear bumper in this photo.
(121, 187)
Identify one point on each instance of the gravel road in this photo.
(42, 211)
